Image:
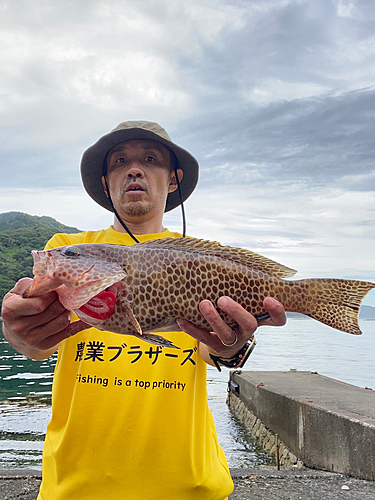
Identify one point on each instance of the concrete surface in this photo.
(254, 484)
(20, 485)
(266, 484)
(326, 423)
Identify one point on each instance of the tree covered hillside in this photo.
(19, 234)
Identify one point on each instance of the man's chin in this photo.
(136, 209)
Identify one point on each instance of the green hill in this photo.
(19, 234)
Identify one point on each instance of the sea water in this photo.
(302, 344)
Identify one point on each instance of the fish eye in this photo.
(71, 252)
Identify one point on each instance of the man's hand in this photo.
(36, 326)
(214, 342)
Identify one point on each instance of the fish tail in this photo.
(334, 302)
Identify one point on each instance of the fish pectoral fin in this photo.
(129, 313)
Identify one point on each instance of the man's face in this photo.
(139, 178)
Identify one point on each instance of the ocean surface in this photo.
(302, 344)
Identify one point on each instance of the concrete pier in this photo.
(325, 423)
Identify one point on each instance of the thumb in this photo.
(21, 286)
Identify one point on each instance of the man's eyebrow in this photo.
(153, 146)
(116, 149)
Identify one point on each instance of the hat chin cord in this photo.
(123, 223)
(181, 203)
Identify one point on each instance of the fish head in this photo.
(77, 273)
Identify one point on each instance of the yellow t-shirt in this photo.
(130, 420)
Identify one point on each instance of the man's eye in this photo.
(120, 160)
(150, 159)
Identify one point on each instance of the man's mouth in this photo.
(134, 188)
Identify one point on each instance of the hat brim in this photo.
(93, 160)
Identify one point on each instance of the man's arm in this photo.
(212, 342)
(35, 327)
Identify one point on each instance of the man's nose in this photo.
(135, 171)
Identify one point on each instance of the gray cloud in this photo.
(275, 99)
(322, 141)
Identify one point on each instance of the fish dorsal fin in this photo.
(194, 245)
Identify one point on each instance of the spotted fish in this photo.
(143, 288)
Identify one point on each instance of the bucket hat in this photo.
(93, 160)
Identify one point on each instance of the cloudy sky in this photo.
(275, 98)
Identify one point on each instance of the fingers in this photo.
(15, 306)
(35, 324)
(222, 333)
(276, 311)
(247, 324)
(21, 286)
(53, 340)
(203, 336)
(222, 330)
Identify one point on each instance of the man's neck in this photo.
(144, 227)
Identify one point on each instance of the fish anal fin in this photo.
(158, 340)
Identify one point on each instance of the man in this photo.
(129, 419)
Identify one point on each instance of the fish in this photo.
(142, 289)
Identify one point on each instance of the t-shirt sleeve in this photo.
(62, 239)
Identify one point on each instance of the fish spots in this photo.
(179, 283)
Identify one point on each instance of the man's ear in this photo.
(104, 186)
(173, 184)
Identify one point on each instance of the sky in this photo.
(276, 100)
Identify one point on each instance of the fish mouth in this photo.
(41, 285)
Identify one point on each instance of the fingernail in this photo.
(204, 306)
(223, 301)
(273, 301)
(180, 324)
